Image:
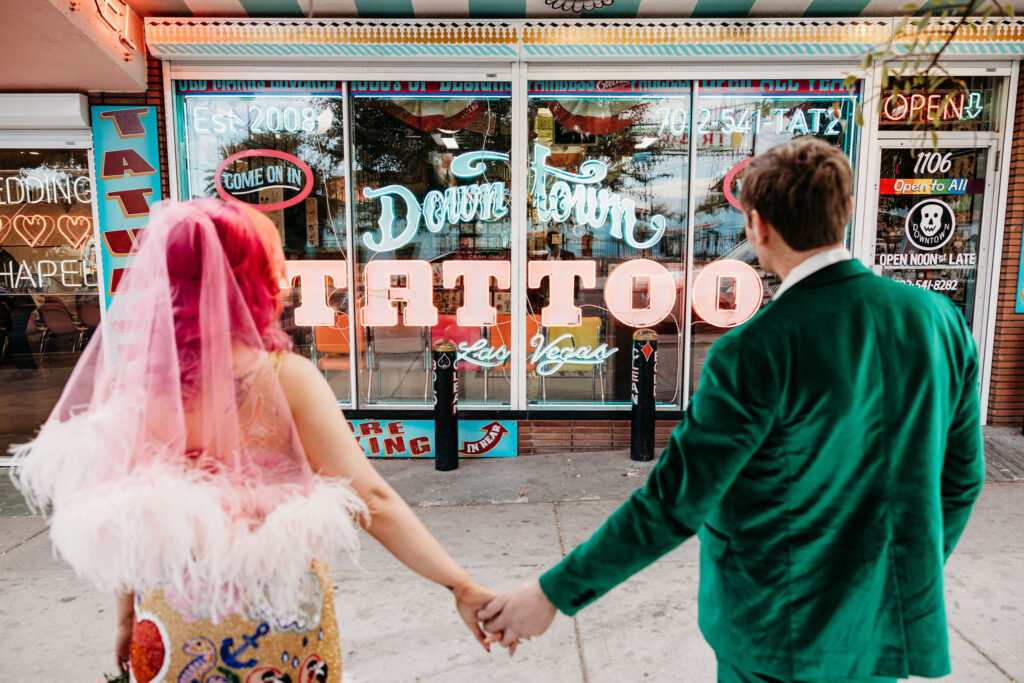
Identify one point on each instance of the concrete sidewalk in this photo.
(506, 521)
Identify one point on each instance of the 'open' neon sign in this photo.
(919, 108)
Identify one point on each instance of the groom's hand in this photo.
(522, 612)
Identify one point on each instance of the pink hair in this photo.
(253, 250)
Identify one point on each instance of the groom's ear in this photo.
(756, 228)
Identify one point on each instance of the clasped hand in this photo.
(517, 614)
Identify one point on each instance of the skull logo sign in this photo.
(930, 224)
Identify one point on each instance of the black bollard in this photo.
(641, 425)
(446, 407)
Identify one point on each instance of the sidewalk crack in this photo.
(575, 623)
(23, 542)
(982, 653)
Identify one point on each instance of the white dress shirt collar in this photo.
(811, 265)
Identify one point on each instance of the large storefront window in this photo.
(733, 122)
(49, 304)
(279, 146)
(606, 235)
(433, 229)
(605, 238)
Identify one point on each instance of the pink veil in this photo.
(172, 457)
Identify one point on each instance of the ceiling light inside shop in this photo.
(645, 142)
(449, 142)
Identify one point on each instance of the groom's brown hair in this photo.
(802, 188)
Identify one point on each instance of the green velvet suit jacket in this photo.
(828, 462)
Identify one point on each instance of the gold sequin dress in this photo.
(172, 643)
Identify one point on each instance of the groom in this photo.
(828, 462)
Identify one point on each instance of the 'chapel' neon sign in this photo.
(571, 195)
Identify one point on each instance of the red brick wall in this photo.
(1006, 396)
(153, 97)
(559, 436)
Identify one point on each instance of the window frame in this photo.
(520, 72)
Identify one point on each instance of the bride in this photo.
(203, 473)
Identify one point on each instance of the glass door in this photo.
(933, 219)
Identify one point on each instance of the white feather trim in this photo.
(132, 529)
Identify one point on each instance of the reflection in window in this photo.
(929, 219)
(49, 305)
(280, 148)
(431, 176)
(607, 184)
(732, 125)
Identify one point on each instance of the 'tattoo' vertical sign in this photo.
(127, 162)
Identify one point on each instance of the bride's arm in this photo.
(333, 451)
(124, 611)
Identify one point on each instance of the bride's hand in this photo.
(122, 643)
(468, 600)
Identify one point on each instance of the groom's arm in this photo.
(727, 420)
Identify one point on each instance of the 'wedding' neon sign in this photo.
(571, 195)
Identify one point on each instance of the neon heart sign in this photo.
(33, 229)
(75, 229)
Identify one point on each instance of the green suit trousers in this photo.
(727, 673)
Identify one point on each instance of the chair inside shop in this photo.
(54, 323)
(331, 345)
(587, 333)
(87, 310)
(499, 335)
(400, 349)
(6, 325)
(447, 327)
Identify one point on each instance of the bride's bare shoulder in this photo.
(299, 378)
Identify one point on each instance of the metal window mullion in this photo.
(691, 207)
(985, 247)
(868, 159)
(1004, 148)
(170, 118)
(353, 327)
(101, 280)
(517, 200)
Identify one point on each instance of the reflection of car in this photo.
(744, 252)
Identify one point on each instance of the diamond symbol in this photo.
(647, 350)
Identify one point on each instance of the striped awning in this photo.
(529, 9)
(575, 40)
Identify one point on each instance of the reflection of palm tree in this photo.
(282, 143)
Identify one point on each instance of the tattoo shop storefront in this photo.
(537, 191)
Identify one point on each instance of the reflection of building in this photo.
(670, 154)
